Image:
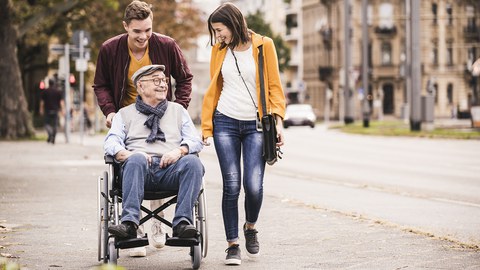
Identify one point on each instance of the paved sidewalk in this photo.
(48, 220)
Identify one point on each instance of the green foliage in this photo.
(6, 265)
(258, 24)
(110, 267)
(44, 22)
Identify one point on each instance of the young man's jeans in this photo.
(231, 138)
(51, 123)
(184, 176)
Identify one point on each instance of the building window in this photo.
(470, 10)
(449, 13)
(449, 54)
(434, 13)
(386, 53)
(471, 56)
(434, 56)
(369, 15)
(386, 16)
(450, 94)
(370, 61)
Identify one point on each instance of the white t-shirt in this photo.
(235, 100)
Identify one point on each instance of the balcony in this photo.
(292, 34)
(386, 30)
(324, 72)
(326, 34)
(472, 32)
(386, 71)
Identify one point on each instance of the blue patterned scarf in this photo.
(153, 120)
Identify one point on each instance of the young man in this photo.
(153, 139)
(50, 104)
(120, 57)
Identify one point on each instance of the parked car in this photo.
(299, 115)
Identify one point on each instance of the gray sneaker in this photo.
(251, 242)
(233, 255)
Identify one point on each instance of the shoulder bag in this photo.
(271, 153)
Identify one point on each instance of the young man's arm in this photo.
(182, 75)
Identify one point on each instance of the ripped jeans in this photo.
(233, 138)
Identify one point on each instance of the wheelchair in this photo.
(109, 197)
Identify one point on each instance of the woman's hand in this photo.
(205, 141)
(279, 127)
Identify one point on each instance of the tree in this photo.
(27, 28)
(258, 24)
(15, 119)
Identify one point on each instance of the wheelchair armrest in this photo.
(109, 159)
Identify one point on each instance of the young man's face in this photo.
(138, 33)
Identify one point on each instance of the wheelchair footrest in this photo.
(181, 242)
(132, 242)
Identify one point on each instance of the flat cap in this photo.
(144, 71)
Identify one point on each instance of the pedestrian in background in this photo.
(51, 102)
(230, 114)
(119, 58)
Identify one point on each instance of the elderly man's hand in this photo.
(170, 157)
(108, 122)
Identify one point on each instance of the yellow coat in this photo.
(275, 97)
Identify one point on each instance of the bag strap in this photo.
(262, 85)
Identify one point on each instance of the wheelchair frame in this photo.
(109, 197)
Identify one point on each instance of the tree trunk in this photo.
(15, 119)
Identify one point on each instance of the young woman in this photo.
(230, 110)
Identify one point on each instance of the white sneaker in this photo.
(158, 234)
(137, 252)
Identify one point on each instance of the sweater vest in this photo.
(137, 132)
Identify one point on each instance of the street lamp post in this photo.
(415, 98)
(365, 105)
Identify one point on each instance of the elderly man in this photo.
(153, 138)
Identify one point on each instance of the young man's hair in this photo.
(230, 16)
(137, 10)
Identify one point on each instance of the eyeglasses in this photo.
(156, 81)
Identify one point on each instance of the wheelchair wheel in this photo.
(112, 252)
(201, 211)
(99, 216)
(102, 216)
(105, 217)
(196, 252)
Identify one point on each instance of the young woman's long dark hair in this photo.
(229, 15)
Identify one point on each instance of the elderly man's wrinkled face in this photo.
(153, 88)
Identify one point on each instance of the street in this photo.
(335, 201)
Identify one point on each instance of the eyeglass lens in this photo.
(157, 81)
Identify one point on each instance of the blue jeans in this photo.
(231, 138)
(184, 176)
(51, 123)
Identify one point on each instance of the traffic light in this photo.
(72, 80)
(41, 86)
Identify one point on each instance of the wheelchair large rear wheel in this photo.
(99, 217)
(106, 217)
(201, 211)
(102, 216)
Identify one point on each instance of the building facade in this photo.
(450, 42)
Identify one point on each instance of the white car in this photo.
(299, 115)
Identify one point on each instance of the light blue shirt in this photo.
(115, 139)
